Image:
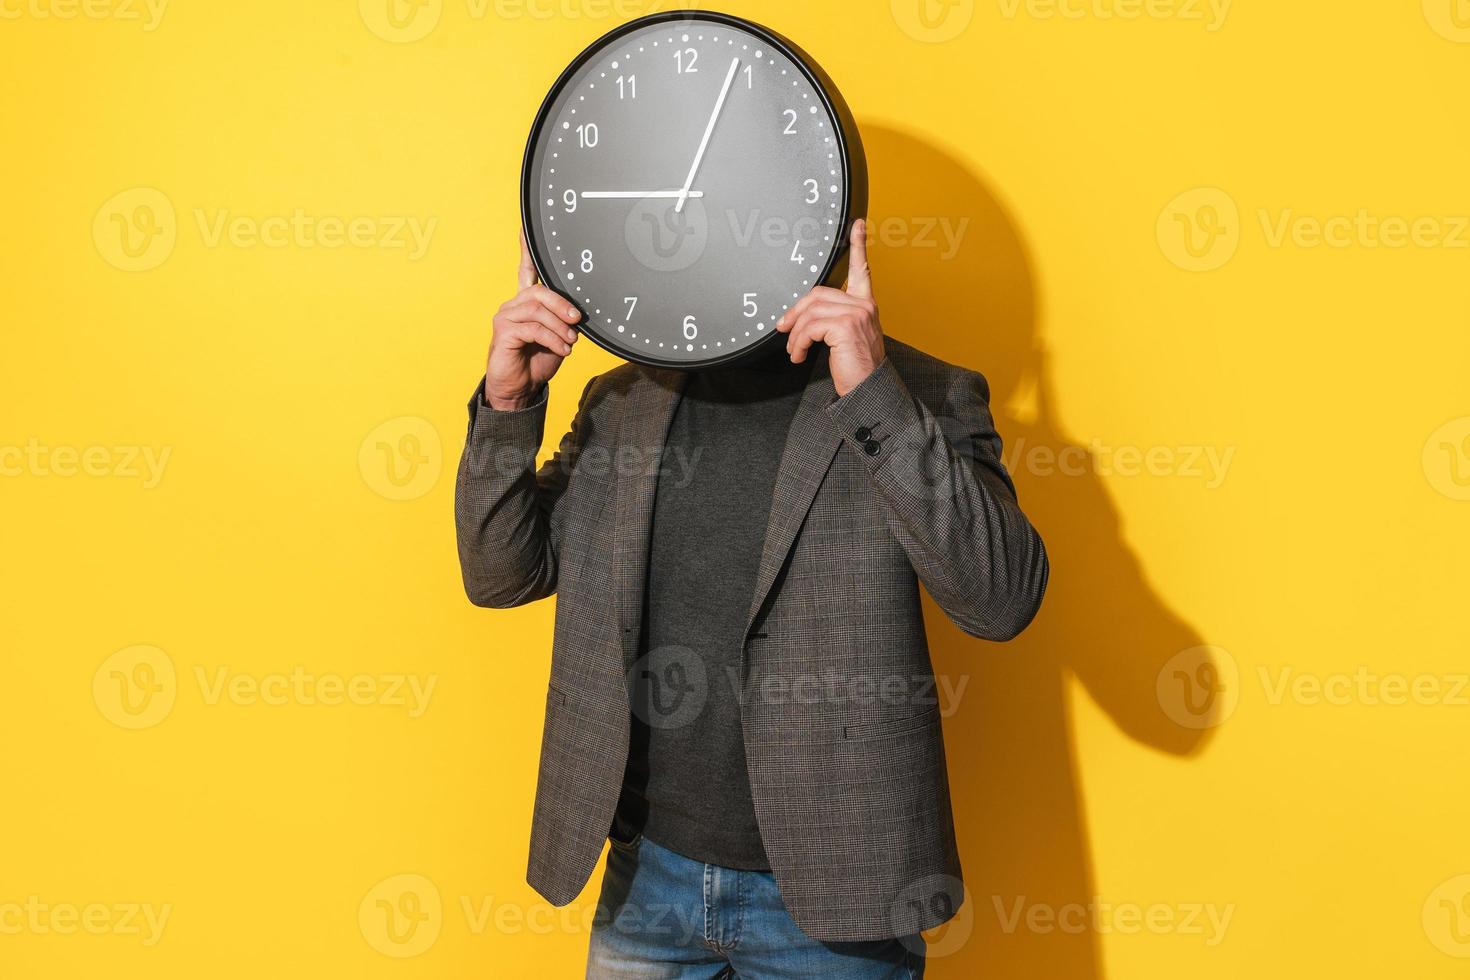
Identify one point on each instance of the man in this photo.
(741, 697)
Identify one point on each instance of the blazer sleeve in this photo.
(948, 499)
(508, 516)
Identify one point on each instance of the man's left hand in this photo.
(847, 322)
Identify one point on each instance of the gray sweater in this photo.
(686, 786)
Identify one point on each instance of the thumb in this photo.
(859, 278)
(526, 275)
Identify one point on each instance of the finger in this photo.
(822, 311)
(542, 296)
(803, 338)
(536, 334)
(820, 294)
(526, 275)
(859, 277)
(535, 313)
(547, 338)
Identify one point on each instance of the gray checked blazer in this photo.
(897, 483)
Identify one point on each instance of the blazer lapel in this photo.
(811, 444)
(647, 413)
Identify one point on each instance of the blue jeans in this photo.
(663, 916)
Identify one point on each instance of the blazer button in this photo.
(863, 434)
(872, 448)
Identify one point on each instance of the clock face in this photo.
(687, 181)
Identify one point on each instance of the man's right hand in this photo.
(533, 332)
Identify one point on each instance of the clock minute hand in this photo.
(704, 143)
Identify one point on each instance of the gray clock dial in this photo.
(686, 183)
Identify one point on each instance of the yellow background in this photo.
(1331, 548)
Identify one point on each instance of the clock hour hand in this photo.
(637, 194)
(704, 143)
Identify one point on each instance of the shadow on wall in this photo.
(964, 292)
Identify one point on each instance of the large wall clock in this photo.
(688, 178)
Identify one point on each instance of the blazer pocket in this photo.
(896, 726)
(555, 727)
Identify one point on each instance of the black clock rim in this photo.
(854, 167)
